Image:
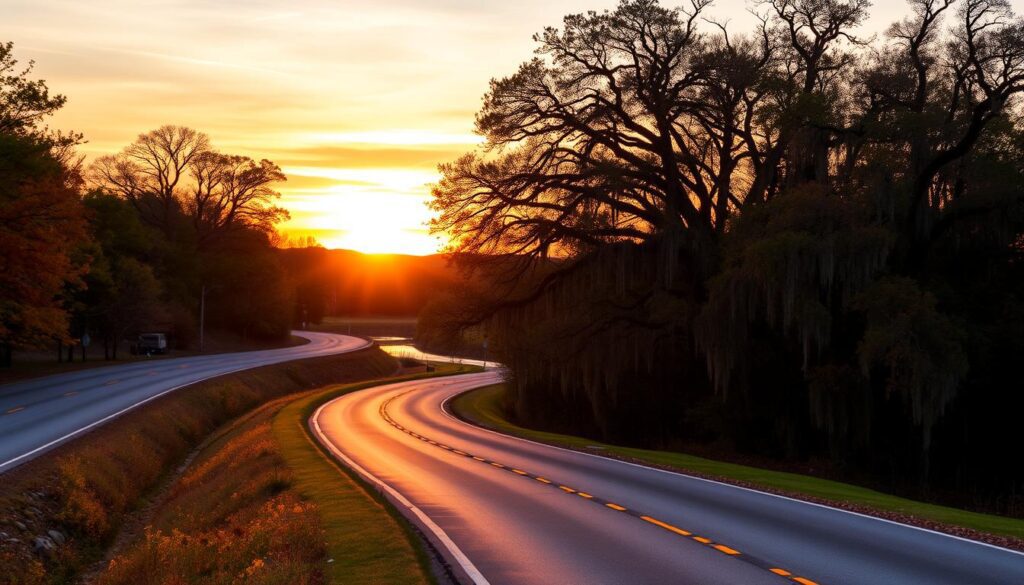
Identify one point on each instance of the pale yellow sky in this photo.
(357, 100)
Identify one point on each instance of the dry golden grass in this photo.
(233, 517)
(86, 488)
(262, 504)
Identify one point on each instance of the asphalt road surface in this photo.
(505, 510)
(41, 413)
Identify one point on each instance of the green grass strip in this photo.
(368, 540)
(483, 406)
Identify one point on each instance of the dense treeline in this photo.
(130, 242)
(792, 242)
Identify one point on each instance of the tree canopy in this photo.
(789, 225)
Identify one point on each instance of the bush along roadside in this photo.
(60, 511)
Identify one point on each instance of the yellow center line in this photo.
(719, 547)
(727, 550)
(666, 526)
(111, 382)
(16, 409)
(72, 393)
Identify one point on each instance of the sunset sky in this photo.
(357, 100)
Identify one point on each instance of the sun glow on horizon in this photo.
(357, 101)
(375, 211)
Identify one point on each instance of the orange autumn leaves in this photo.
(232, 518)
(42, 222)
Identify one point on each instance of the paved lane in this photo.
(525, 513)
(41, 413)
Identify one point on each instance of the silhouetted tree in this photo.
(767, 230)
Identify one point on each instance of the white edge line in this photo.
(444, 410)
(460, 557)
(95, 423)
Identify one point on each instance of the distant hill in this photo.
(346, 282)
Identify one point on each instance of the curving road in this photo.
(505, 510)
(41, 413)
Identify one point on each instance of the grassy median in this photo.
(367, 540)
(484, 407)
(261, 503)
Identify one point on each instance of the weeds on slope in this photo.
(232, 517)
(59, 512)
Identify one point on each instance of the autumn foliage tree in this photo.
(129, 243)
(41, 216)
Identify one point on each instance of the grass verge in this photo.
(484, 407)
(77, 496)
(233, 516)
(261, 503)
(367, 539)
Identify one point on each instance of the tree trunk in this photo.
(71, 353)
(60, 352)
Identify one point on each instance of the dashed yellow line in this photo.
(72, 393)
(15, 409)
(664, 525)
